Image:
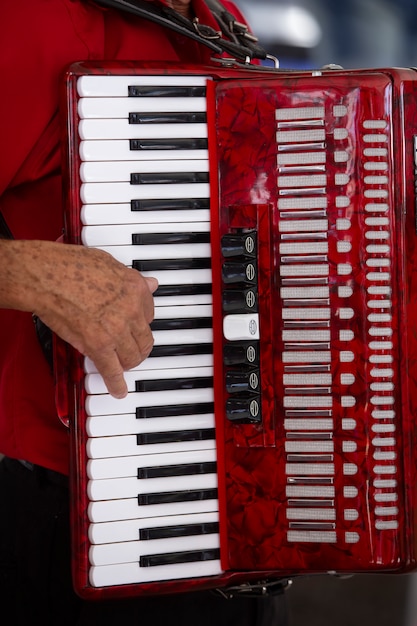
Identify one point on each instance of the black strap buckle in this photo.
(206, 32)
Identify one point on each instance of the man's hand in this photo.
(89, 299)
(181, 6)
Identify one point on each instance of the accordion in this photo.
(271, 432)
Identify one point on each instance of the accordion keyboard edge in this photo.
(270, 432)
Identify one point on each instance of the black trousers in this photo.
(35, 579)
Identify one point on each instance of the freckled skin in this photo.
(89, 299)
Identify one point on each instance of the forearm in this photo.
(18, 267)
(36, 275)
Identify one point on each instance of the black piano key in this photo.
(144, 439)
(243, 409)
(241, 353)
(182, 290)
(153, 239)
(188, 469)
(179, 557)
(238, 381)
(239, 272)
(167, 118)
(183, 530)
(183, 350)
(172, 264)
(168, 178)
(168, 144)
(160, 204)
(240, 300)
(239, 244)
(166, 497)
(182, 323)
(168, 384)
(171, 410)
(166, 91)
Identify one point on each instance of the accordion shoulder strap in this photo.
(5, 232)
(233, 38)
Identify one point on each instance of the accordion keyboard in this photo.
(152, 456)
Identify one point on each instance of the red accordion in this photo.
(271, 432)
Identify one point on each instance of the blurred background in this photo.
(354, 34)
(351, 33)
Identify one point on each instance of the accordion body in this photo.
(271, 432)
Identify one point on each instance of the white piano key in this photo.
(113, 86)
(115, 488)
(131, 551)
(121, 129)
(94, 383)
(98, 193)
(181, 277)
(184, 300)
(121, 106)
(128, 530)
(175, 312)
(101, 214)
(164, 362)
(105, 404)
(91, 172)
(128, 509)
(128, 424)
(126, 445)
(131, 573)
(121, 234)
(119, 150)
(182, 336)
(127, 254)
(127, 466)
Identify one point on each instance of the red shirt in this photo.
(40, 39)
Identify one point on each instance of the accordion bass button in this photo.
(241, 327)
(241, 353)
(244, 409)
(238, 381)
(240, 301)
(239, 272)
(239, 244)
